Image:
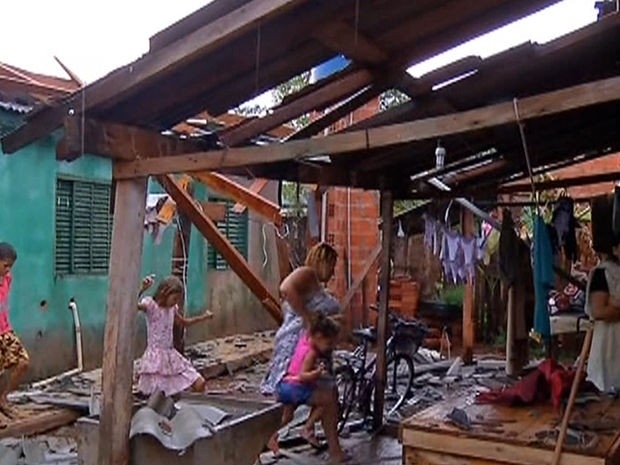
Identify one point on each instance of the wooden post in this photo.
(118, 344)
(180, 259)
(469, 318)
(387, 208)
(511, 357)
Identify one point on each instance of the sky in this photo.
(94, 37)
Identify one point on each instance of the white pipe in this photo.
(78, 349)
(324, 217)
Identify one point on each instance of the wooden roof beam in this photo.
(121, 82)
(223, 246)
(241, 194)
(321, 98)
(550, 103)
(561, 183)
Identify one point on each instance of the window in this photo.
(235, 228)
(83, 227)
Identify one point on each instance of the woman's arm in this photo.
(296, 286)
(602, 309)
(189, 321)
(310, 374)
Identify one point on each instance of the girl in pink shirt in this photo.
(298, 385)
(13, 355)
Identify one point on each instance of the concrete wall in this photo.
(235, 307)
(27, 220)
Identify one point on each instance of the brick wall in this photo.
(363, 209)
(609, 163)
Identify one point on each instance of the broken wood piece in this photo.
(257, 186)
(223, 246)
(222, 185)
(214, 210)
(39, 423)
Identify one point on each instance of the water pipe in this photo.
(78, 348)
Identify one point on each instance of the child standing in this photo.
(13, 355)
(303, 373)
(162, 368)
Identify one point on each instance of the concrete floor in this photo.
(365, 449)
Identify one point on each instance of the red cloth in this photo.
(549, 381)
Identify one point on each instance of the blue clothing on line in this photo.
(543, 277)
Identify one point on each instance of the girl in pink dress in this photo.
(162, 368)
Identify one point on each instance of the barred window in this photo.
(83, 227)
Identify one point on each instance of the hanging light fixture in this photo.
(440, 155)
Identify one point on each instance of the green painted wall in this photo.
(27, 215)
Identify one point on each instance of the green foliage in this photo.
(402, 206)
(452, 295)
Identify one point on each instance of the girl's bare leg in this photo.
(308, 431)
(325, 399)
(287, 416)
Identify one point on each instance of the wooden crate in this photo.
(429, 440)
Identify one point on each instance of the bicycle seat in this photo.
(368, 334)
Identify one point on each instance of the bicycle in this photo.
(355, 377)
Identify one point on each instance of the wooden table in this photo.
(509, 436)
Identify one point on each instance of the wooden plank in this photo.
(118, 141)
(125, 268)
(413, 456)
(469, 317)
(337, 113)
(494, 451)
(257, 186)
(214, 210)
(550, 103)
(324, 96)
(342, 38)
(39, 423)
(234, 259)
(387, 210)
(560, 183)
(368, 264)
(116, 86)
(221, 184)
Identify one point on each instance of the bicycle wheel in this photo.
(346, 384)
(399, 382)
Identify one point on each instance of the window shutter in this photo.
(64, 225)
(235, 228)
(83, 227)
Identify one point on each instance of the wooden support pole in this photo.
(469, 316)
(370, 261)
(234, 259)
(511, 354)
(125, 265)
(387, 209)
(180, 260)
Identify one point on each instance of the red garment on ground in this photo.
(549, 380)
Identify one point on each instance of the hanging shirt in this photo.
(5, 288)
(543, 277)
(603, 368)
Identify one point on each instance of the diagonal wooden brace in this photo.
(210, 231)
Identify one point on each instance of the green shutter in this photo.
(83, 227)
(64, 207)
(235, 228)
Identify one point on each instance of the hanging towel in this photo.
(543, 276)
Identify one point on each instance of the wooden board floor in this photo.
(508, 435)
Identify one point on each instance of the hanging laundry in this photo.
(433, 238)
(543, 276)
(508, 250)
(565, 225)
(451, 256)
(469, 248)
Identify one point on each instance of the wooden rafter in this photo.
(234, 259)
(560, 183)
(550, 103)
(120, 84)
(221, 184)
